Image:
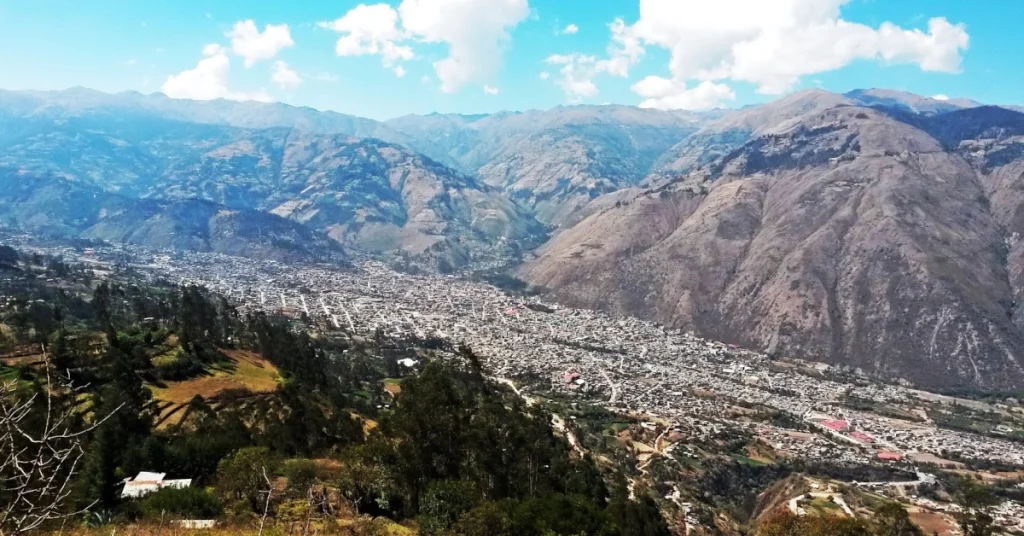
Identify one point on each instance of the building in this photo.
(145, 483)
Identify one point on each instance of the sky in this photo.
(388, 59)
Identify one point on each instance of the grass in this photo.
(347, 527)
(393, 386)
(615, 428)
(822, 507)
(239, 370)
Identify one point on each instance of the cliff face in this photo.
(886, 242)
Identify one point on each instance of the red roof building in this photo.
(838, 425)
(889, 456)
(862, 437)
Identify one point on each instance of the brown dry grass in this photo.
(932, 522)
(245, 370)
(363, 526)
(241, 370)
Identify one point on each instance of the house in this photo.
(836, 425)
(145, 483)
(886, 455)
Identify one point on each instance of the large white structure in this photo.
(145, 483)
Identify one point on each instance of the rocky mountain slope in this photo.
(59, 206)
(364, 193)
(557, 161)
(736, 128)
(877, 238)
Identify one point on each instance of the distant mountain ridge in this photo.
(556, 161)
(362, 192)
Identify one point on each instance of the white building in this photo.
(145, 483)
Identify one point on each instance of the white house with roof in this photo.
(145, 483)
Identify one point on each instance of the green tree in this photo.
(301, 475)
(892, 519)
(8, 257)
(192, 503)
(242, 476)
(443, 504)
(974, 499)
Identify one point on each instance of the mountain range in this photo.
(874, 229)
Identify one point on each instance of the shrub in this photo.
(191, 503)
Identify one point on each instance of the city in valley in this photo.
(679, 388)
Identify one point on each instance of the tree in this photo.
(8, 257)
(892, 519)
(975, 500)
(41, 451)
(240, 476)
(444, 503)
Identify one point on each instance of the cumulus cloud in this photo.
(666, 94)
(284, 76)
(400, 71)
(571, 29)
(490, 90)
(578, 71)
(475, 32)
(774, 43)
(208, 79)
(248, 42)
(370, 30)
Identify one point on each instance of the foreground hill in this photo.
(556, 161)
(53, 205)
(880, 239)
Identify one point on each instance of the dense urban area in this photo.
(671, 391)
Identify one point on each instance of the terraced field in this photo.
(241, 370)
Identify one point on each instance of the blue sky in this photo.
(673, 53)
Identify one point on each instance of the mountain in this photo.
(130, 105)
(364, 193)
(734, 129)
(556, 161)
(876, 238)
(889, 98)
(64, 207)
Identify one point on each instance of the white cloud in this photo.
(474, 31)
(284, 76)
(544, 75)
(774, 43)
(400, 71)
(208, 79)
(370, 30)
(579, 70)
(490, 90)
(940, 96)
(571, 29)
(249, 43)
(666, 94)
